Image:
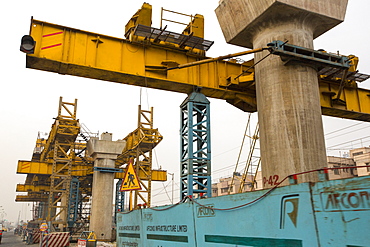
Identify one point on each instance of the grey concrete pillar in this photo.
(288, 100)
(63, 214)
(104, 152)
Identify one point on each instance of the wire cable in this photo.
(324, 170)
(366, 137)
(345, 128)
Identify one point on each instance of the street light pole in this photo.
(172, 174)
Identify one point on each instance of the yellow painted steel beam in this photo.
(75, 52)
(144, 139)
(143, 16)
(157, 175)
(32, 167)
(32, 188)
(354, 102)
(62, 129)
(32, 198)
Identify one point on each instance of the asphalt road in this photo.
(11, 240)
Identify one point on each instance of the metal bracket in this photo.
(285, 50)
(107, 169)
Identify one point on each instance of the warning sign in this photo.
(81, 243)
(130, 180)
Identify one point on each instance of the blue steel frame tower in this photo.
(119, 200)
(195, 147)
(72, 213)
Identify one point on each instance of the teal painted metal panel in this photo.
(168, 228)
(342, 211)
(329, 213)
(129, 229)
(283, 218)
(252, 241)
(171, 227)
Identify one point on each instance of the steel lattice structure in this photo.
(195, 147)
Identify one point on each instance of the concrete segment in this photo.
(241, 20)
(288, 103)
(105, 152)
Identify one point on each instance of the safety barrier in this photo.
(33, 236)
(55, 239)
(36, 237)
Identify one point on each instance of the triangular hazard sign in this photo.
(130, 180)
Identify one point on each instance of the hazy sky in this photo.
(29, 98)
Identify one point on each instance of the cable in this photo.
(174, 205)
(164, 187)
(244, 71)
(325, 170)
(240, 153)
(366, 137)
(156, 158)
(347, 133)
(344, 128)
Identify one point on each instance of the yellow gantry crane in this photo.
(59, 150)
(55, 161)
(139, 145)
(60, 159)
(161, 59)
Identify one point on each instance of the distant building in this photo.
(221, 188)
(357, 157)
(361, 156)
(337, 162)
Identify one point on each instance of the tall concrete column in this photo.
(288, 99)
(104, 152)
(63, 214)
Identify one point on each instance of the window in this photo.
(247, 184)
(336, 171)
(353, 171)
(226, 189)
(358, 153)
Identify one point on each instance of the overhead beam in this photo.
(75, 52)
(32, 188)
(32, 167)
(32, 198)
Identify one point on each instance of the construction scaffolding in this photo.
(139, 145)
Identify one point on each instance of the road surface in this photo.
(11, 240)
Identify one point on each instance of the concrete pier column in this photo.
(63, 214)
(288, 99)
(104, 152)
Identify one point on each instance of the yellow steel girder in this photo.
(32, 167)
(75, 52)
(144, 139)
(32, 197)
(32, 188)
(157, 175)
